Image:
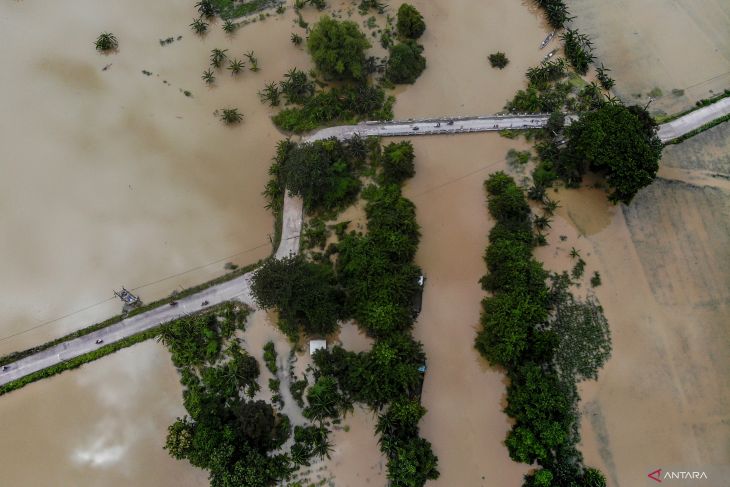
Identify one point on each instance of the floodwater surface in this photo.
(675, 52)
(101, 425)
(113, 177)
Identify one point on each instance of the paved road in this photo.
(694, 120)
(239, 288)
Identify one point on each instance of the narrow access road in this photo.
(693, 120)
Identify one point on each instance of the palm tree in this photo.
(229, 26)
(322, 446)
(574, 253)
(205, 9)
(550, 205)
(208, 77)
(253, 61)
(300, 454)
(296, 39)
(606, 81)
(106, 42)
(231, 116)
(270, 94)
(541, 222)
(199, 26)
(217, 56)
(235, 66)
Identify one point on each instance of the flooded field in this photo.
(654, 47)
(116, 177)
(101, 425)
(663, 398)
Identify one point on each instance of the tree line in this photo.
(516, 335)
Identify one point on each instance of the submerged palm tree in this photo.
(296, 39)
(199, 26)
(217, 56)
(230, 26)
(574, 253)
(254, 62)
(322, 446)
(106, 42)
(208, 77)
(270, 94)
(231, 116)
(205, 8)
(550, 205)
(541, 222)
(235, 66)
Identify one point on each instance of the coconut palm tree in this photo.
(541, 222)
(322, 446)
(270, 94)
(296, 39)
(205, 8)
(235, 66)
(231, 116)
(217, 56)
(300, 454)
(230, 26)
(199, 26)
(549, 205)
(208, 77)
(574, 254)
(254, 62)
(106, 42)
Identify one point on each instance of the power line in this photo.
(172, 276)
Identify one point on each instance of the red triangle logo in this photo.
(656, 475)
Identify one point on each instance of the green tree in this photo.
(405, 63)
(296, 86)
(617, 142)
(338, 49)
(410, 23)
(397, 162)
(305, 293)
(231, 116)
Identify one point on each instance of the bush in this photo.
(405, 63)
(410, 22)
(398, 163)
(338, 49)
(498, 60)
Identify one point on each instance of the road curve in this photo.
(292, 217)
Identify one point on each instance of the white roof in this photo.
(315, 345)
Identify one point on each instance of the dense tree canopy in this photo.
(338, 48)
(324, 173)
(397, 162)
(616, 141)
(410, 23)
(305, 293)
(405, 63)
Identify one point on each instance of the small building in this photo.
(315, 345)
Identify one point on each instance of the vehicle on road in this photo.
(99, 341)
(204, 303)
(173, 303)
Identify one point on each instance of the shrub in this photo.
(410, 23)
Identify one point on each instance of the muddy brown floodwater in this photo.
(654, 47)
(112, 177)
